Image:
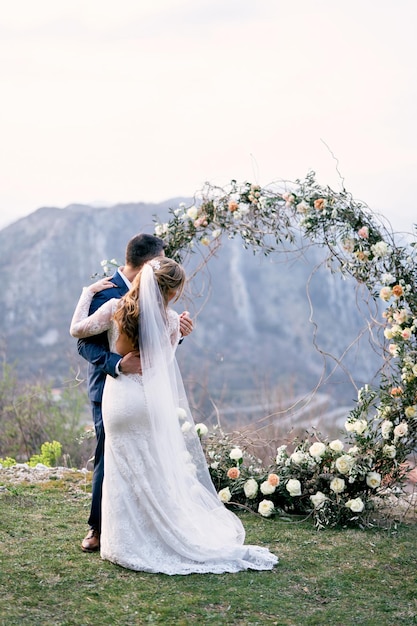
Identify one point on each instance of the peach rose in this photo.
(393, 349)
(233, 473)
(200, 221)
(233, 206)
(273, 480)
(320, 204)
(362, 255)
(396, 391)
(397, 290)
(363, 232)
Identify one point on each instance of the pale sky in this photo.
(145, 100)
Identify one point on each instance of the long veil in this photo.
(178, 458)
(166, 399)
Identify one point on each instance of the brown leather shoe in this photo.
(91, 542)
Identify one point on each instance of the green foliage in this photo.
(7, 462)
(49, 456)
(335, 484)
(32, 414)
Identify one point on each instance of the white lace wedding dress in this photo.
(159, 513)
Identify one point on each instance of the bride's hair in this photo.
(170, 277)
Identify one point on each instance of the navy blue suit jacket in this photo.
(96, 349)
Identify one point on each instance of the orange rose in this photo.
(233, 206)
(362, 255)
(273, 480)
(397, 290)
(319, 204)
(233, 473)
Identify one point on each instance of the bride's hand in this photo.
(100, 285)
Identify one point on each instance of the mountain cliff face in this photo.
(254, 324)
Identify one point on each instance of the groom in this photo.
(101, 362)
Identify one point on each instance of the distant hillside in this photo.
(253, 341)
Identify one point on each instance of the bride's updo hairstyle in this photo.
(170, 277)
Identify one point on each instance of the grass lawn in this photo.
(332, 577)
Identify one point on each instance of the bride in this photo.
(160, 510)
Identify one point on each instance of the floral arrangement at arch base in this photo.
(338, 482)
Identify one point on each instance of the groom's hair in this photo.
(142, 248)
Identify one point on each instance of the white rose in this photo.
(380, 249)
(396, 330)
(401, 429)
(192, 212)
(337, 485)
(224, 494)
(267, 488)
(318, 499)
(318, 449)
(297, 457)
(266, 508)
(236, 454)
(186, 427)
(373, 479)
(386, 428)
(201, 429)
(388, 334)
(410, 411)
(161, 229)
(359, 426)
(293, 487)
(244, 208)
(385, 293)
(302, 207)
(281, 453)
(181, 413)
(353, 450)
(356, 505)
(389, 451)
(344, 463)
(250, 488)
(336, 445)
(387, 278)
(216, 233)
(349, 426)
(214, 465)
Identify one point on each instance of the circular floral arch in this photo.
(338, 482)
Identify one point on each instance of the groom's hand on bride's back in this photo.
(130, 363)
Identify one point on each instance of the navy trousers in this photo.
(97, 485)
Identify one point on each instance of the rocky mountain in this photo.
(260, 341)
